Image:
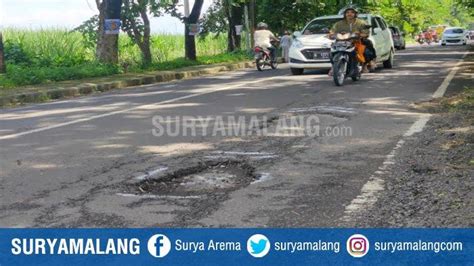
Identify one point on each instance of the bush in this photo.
(15, 54)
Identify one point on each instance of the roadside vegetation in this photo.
(50, 55)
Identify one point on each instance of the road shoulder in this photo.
(431, 183)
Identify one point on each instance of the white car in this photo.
(311, 48)
(454, 35)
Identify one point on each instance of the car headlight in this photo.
(297, 44)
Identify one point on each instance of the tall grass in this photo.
(46, 55)
(45, 47)
(59, 47)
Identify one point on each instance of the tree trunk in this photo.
(107, 44)
(146, 53)
(234, 16)
(190, 42)
(252, 17)
(3, 68)
(145, 45)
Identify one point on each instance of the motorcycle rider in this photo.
(351, 24)
(263, 38)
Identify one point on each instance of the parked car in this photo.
(454, 35)
(398, 38)
(311, 47)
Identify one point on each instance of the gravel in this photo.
(431, 184)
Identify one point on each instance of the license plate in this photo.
(322, 55)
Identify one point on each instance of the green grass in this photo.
(461, 102)
(203, 60)
(49, 55)
(22, 75)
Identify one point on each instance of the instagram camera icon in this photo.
(357, 246)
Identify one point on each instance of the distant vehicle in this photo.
(470, 35)
(454, 35)
(398, 38)
(439, 29)
(311, 48)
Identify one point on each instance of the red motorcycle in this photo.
(263, 58)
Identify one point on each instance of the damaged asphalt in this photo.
(94, 162)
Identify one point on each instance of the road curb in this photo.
(57, 93)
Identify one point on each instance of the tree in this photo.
(3, 68)
(107, 44)
(234, 12)
(190, 42)
(283, 15)
(136, 22)
(222, 17)
(192, 19)
(215, 20)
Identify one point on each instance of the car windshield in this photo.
(454, 31)
(322, 26)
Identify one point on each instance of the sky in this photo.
(69, 14)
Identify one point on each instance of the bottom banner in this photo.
(236, 246)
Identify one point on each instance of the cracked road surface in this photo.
(94, 162)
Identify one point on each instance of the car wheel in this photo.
(389, 62)
(443, 44)
(297, 71)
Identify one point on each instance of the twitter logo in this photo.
(258, 246)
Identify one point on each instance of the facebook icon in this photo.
(159, 246)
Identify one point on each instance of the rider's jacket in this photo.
(358, 25)
(263, 38)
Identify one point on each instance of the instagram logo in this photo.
(357, 246)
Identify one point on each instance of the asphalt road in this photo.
(95, 162)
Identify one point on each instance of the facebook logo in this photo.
(159, 246)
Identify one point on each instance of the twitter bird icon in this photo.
(258, 246)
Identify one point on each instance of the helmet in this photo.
(349, 7)
(262, 25)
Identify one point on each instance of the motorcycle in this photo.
(344, 63)
(420, 39)
(263, 58)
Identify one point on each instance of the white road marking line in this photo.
(157, 196)
(376, 184)
(146, 106)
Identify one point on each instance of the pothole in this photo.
(204, 178)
